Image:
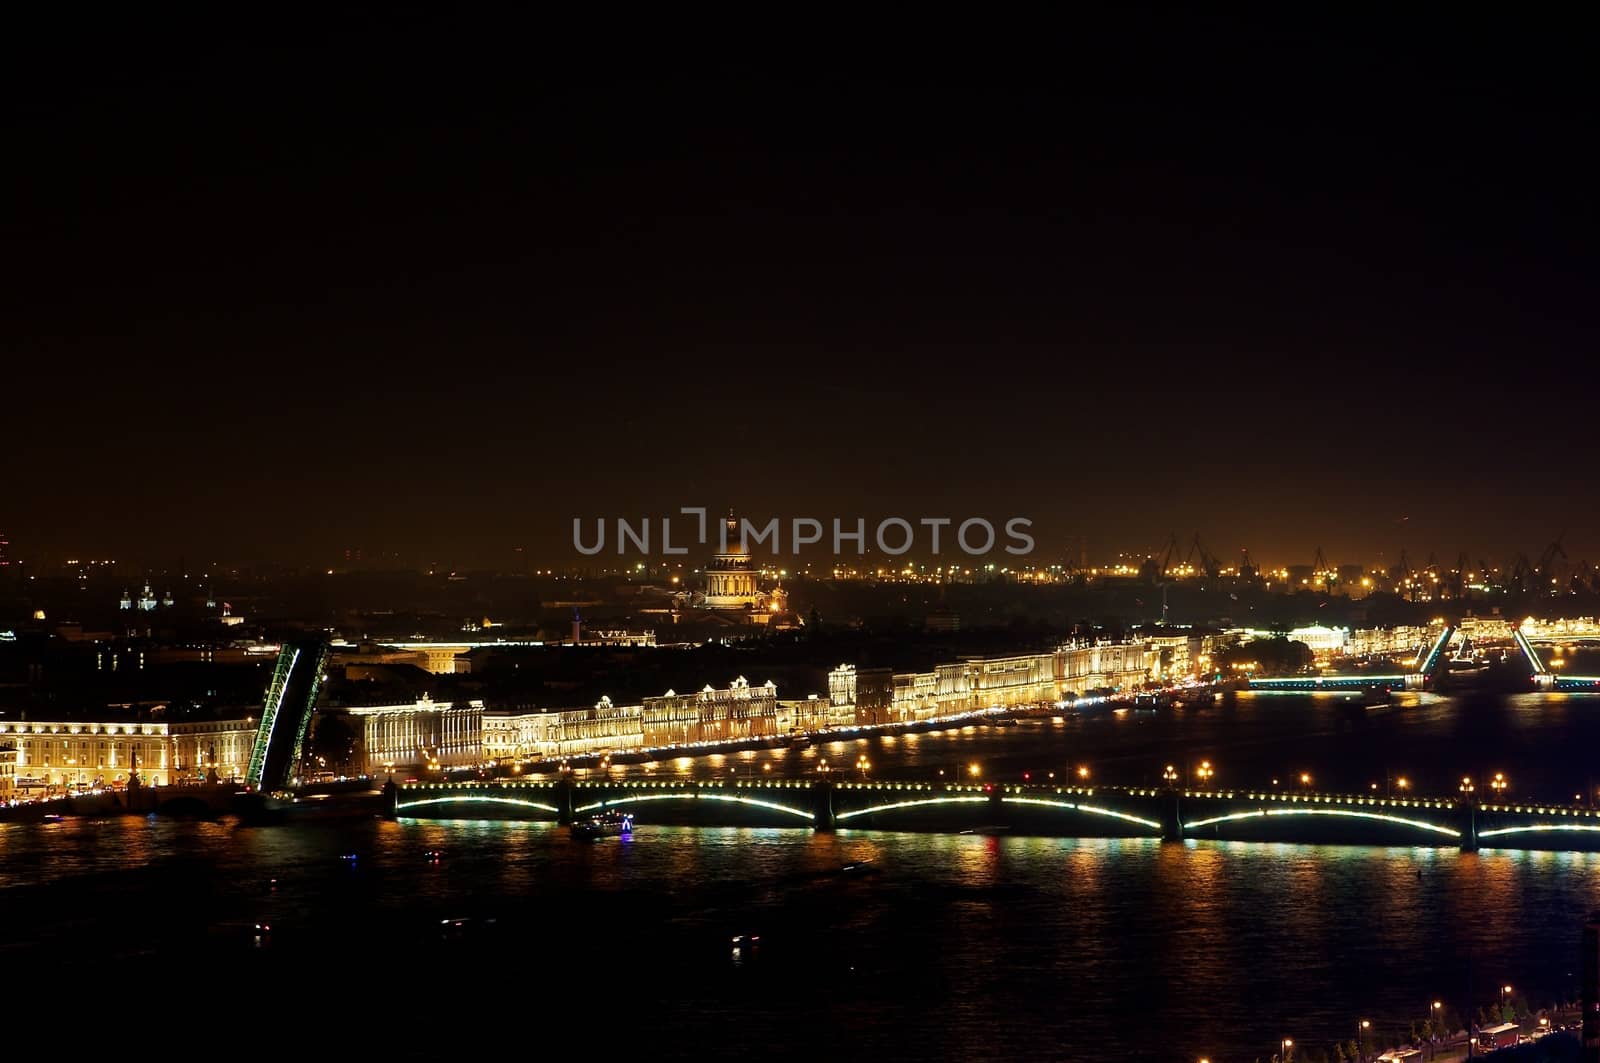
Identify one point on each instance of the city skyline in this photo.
(1073, 558)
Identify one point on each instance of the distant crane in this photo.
(1320, 571)
(1163, 572)
(1531, 578)
(1247, 568)
(1546, 570)
(1400, 574)
(1170, 552)
(1522, 575)
(1430, 576)
(1210, 565)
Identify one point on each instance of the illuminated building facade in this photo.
(864, 696)
(101, 753)
(736, 712)
(548, 734)
(915, 697)
(1405, 641)
(8, 771)
(811, 713)
(1480, 629)
(842, 687)
(69, 753)
(710, 715)
(1174, 657)
(1583, 627)
(506, 735)
(1006, 682)
(1324, 642)
(878, 696)
(1101, 665)
(421, 736)
(874, 700)
(222, 746)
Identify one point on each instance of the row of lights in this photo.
(1205, 772)
(1170, 775)
(1435, 1014)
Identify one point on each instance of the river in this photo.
(896, 945)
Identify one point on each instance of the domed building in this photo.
(733, 580)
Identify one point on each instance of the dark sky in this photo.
(437, 287)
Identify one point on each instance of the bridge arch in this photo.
(1540, 828)
(475, 799)
(1345, 813)
(633, 799)
(1092, 810)
(966, 799)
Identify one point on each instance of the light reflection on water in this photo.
(921, 949)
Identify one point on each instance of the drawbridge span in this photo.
(286, 713)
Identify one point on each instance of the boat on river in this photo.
(608, 824)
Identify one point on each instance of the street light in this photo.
(1170, 775)
(1285, 1045)
(1305, 779)
(1205, 772)
(1083, 772)
(1499, 783)
(1505, 991)
(1466, 784)
(1361, 1029)
(973, 769)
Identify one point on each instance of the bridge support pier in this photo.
(822, 807)
(1468, 818)
(391, 799)
(1172, 818)
(564, 801)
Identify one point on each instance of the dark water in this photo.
(940, 947)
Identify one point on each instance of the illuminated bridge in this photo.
(1174, 815)
(286, 713)
(1428, 665)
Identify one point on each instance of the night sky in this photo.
(434, 287)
